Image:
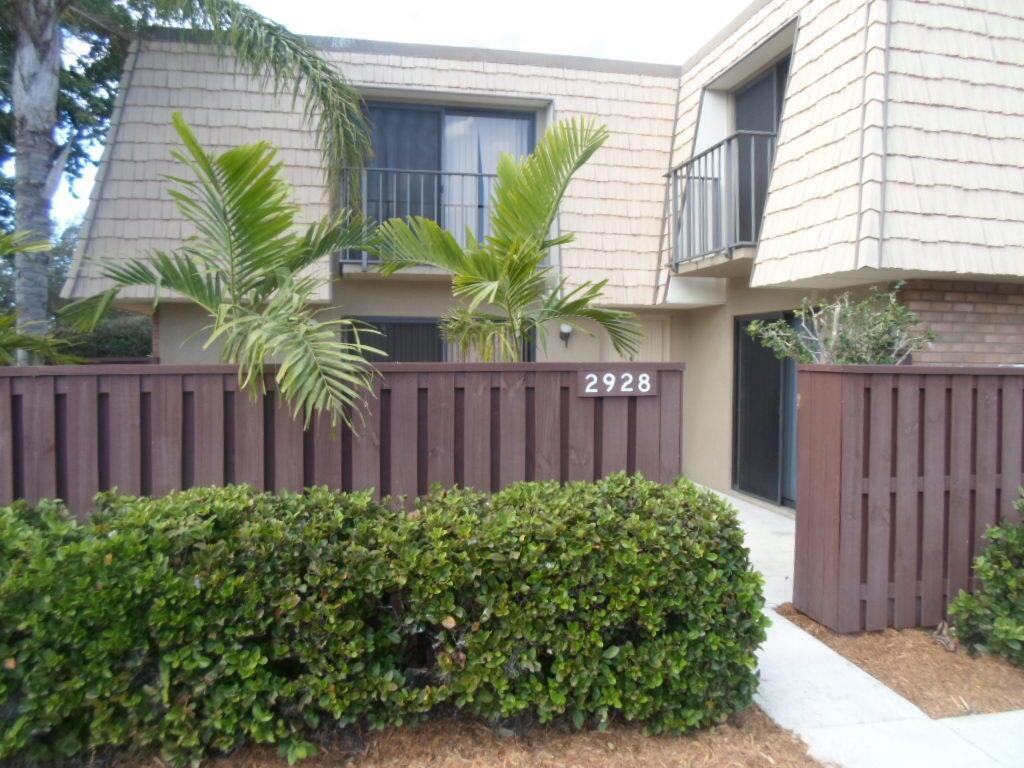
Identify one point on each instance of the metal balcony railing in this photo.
(718, 196)
(454, 200)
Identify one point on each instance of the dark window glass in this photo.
(407, 341)
(407, 145)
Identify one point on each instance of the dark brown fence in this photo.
(68, 432)
(901, 470)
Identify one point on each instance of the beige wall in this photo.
(703, 339)
(180, 336)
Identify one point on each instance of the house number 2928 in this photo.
(616, 383)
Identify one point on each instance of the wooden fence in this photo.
(901, 470)
(68, 432)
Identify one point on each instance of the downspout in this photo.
(667, 202)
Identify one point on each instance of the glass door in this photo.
(473, 143)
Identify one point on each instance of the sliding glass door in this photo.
(473, 143)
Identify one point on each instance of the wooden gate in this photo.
(901, 471)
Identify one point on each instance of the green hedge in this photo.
(992, 619)
(195, 623)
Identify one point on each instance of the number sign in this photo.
(616, 383)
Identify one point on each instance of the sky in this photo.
(639, 30)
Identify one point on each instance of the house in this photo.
(811, 146)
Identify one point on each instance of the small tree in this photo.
(248, 269)
(878, 330)
(511, 294)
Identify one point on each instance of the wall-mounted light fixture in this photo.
(564, 332)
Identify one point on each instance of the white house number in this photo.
(616, 383)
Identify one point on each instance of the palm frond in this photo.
(21, 242)
(580, 304)
(85, 314)
(13, 341)
(418, 241)
(480, 335)
(322, 364)
(286, 64)
(528, 192)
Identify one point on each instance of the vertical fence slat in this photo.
(614, 425)
(441, 428)
(986, 451)
(879, 502)
(648, 437)
(289, 447)
(581, 438)
(208, 394)
(39, 458)
(83, 474)
(851, 540)
(366, 443)
(327, 452)
(547, 421)
(1012, 437)
(961, 443)
(165, 433)
(933, 527)
(512, 427)
(819, 448)
(476, 425)
(671, 435)
(125, 438)
(249, 442)
(404, 438)
(7, 446)
(905, 569)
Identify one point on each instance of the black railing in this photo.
(718, 197)
(454, 200)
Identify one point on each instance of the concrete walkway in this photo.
(846, 717)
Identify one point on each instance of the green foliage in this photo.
(90, 67)
(210, 618)
(122, 334)
(510, 293)
(249, 270)
(992, 619)
(878, 330)
(98, 35)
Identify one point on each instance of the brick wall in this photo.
(979, 323)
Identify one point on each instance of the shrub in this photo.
(121, 335)
(877, 330)
(992, 619)
(210, 618)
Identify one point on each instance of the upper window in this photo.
(759, 104)
(440, 163)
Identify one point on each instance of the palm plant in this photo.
(511, 294)
(248, 269)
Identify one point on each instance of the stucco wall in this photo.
(703, 339)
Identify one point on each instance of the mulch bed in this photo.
(749, 740)
(926, 667)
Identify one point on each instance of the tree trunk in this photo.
(35, 85)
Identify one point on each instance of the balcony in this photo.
(718, 197)
(455, 200)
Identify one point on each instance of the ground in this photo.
(929, 670)
(751, 740)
